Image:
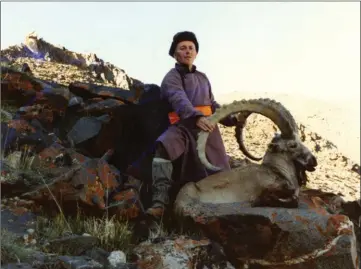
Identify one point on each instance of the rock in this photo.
(91, 182)
(102, 106)
(76, 100)
(18, 266)
(126, 203)
(25, 137)
(278, 237)
(178, 253)
(17, 220)
(86, 128)
(90, 90)
(74, 244)
(88, 183)
(116, 258)
(25, 68)
(356, 168)
(4, 60)
(22, 89)
(38, 48)
(98, 254)
(36, 260)
(57, 156)
(81, 262)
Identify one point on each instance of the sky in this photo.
(295, 48)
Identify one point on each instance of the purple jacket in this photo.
(197, 92)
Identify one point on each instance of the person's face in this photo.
(185, 53)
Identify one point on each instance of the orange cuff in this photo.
(206, 110)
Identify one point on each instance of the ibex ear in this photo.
(273, 147)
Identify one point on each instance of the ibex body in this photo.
(274, 182)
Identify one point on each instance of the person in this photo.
(189, 93)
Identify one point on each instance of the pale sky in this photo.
(309, 48)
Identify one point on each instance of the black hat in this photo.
(183, 36)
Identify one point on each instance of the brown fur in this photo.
(255, 184)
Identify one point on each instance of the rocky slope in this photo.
(336, 172)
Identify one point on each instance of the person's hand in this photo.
(205, 124)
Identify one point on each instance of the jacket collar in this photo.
(184, 69)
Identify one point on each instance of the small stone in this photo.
(86, 234)
(30, 231)
(116, 258)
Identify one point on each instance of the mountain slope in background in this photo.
(337, 171)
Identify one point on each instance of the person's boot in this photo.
(162, 181)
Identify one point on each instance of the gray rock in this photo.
(181, 253)
(74, 244)
(18, 266)
(80, 262)
(86, 128)
(76, 100)
(17, 224)
(116, 258)
(98, 254)
(278, 237)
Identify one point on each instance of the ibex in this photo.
(274, 182)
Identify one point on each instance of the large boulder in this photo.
(265, 237)
(23, 89)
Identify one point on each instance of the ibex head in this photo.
(286, 153)
(295, 150)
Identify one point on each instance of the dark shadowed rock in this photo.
(101, 106)
(90, 90)
(98, 254)
(25, 68)
(86, 128)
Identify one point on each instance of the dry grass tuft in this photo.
(113, 234)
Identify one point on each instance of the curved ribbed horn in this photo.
(271, 109)
(242, 118)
